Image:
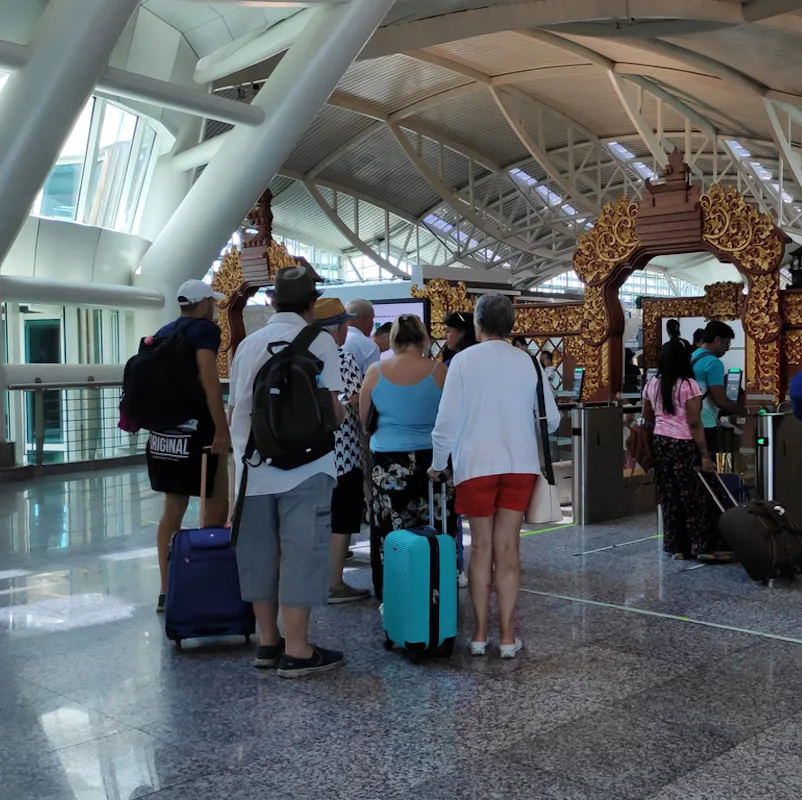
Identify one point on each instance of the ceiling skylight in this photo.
(629, 158)
(761, 170)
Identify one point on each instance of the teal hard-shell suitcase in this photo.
(420, 588)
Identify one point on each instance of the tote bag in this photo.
(544, 504)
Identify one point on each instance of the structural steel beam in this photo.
(162, 94)
(250, 157)
(252, 48)
(781, 136)
(452, 199)
(352, 237)
(540, 156)
(636, 117)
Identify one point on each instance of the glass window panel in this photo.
(111, 164)
(130, 204)
(59, 196)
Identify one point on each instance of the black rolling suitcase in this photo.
(764, 538)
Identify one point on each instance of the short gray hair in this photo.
(359, 307)
(494, 315)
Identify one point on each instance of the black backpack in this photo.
(161, 387)
(292, 421)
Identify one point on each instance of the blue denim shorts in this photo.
(283, 545)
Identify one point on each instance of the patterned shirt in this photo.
(674, 426)
(348, 439)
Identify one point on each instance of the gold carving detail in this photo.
(792, 309)
(762, 319)
(550, 320)
(228, 278)
(656, 310)
(574, 346)
(444, 299)
(593, 371)
(767, 367)
(792, 347)
(739, 230)
(596, 322)
(278, 258)
(607, 245)
(725, 300)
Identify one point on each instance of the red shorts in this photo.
(482, 497)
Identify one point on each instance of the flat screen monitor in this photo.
(391, 310)
(732, 384)
(579, 379)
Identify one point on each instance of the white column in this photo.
(249, 158)
(70, 48)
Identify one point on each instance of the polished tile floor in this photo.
(643, 678)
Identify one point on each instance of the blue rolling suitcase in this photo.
(420, 589)
(203, 592)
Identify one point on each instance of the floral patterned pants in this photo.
(401, 501)
(690, 520)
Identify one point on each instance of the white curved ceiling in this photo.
(502, 127)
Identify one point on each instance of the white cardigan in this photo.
(486, 420)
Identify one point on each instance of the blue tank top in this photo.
(406, 415)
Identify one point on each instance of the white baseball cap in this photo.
(191, 292)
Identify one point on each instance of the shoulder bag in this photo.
(544, 504)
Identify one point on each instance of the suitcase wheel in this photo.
(414, 657)
(448, 648)
(247, 639)
(178, 643)
(388, 644)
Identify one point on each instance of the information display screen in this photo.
(732, 384)
(579, 378)
(391, 310)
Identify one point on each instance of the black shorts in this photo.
(348, 503)
(175, 462)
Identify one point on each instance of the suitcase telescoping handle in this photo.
(205, 479)
(443, 498)
(703, 478)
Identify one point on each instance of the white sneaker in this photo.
(510, 650)
(462, 581)
(478, 648)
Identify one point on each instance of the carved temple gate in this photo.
(242, 274)
(673, 219)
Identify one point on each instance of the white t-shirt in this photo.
(486, 420)
(251, 356)
(362, 348)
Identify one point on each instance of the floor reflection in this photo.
(604, 704)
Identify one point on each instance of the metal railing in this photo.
(68, 422)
